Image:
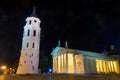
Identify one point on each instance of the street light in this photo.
(50, 70)
(3, 68)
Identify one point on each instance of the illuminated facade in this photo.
(29, 58)
(81, 62)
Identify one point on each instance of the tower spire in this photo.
(34, 9)
(34, 12)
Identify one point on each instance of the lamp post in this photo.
(4, 69)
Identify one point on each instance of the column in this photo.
(60, 63)
(107, 63)
(63, 64)
(117, 66)
(74, 62)
(56, 65)
(66, 62)
(53, 64)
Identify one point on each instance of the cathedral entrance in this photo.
(70, 63)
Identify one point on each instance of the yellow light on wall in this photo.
(97, 66)
(64, 62)
(59, 64)
(3, 67)
(70, 63)
(107, 66)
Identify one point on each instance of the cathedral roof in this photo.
(60, 50)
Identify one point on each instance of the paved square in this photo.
(59, 77)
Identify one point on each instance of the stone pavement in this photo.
(59, 77)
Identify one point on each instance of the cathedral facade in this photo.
(73, 61)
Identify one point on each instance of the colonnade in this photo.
(107, 66)
(64, 63)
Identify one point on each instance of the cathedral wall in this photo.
(89, 64)
(28, 61)
(79, 62)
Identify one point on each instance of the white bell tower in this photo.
(29, 58)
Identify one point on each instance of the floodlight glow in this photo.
(3, 67)
(50, 70)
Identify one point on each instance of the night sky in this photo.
(91, 25)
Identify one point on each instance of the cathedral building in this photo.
(73, 61)
(29, 58)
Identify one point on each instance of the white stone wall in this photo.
(29, 58)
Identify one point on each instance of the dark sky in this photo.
(91, 25)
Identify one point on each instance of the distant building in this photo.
(29, 58)
(73, 61)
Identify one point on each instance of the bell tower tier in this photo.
(29, 58)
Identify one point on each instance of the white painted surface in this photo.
(29, 58)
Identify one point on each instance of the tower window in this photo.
(34, 33)
(35, 21)
(27, 44)
(32, 54)
(24, 61)
(33, 45)
(30, 22)
(28, 33)
(31, 61)
(32, 67)
(26, 54)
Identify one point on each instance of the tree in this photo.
(45, 63)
